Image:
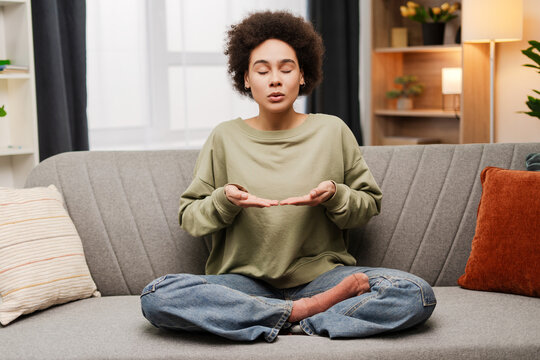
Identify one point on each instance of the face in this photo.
(274, 76)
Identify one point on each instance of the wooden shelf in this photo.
(420, 49)
(427, 122)
(436, 113)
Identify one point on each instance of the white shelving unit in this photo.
(19, 151)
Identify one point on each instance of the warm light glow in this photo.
(451, 80)
(497, 20)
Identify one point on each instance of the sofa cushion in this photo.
(42, 261)
(465, 324)
(505, 253)
(532, 162)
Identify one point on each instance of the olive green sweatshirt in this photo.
(283, 245)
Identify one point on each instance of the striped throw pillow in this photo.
(42, 261)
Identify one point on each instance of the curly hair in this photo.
(281, 25)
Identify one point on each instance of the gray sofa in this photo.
(124, 205)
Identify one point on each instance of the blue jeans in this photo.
(240, 308)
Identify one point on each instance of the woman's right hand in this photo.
(242, 198)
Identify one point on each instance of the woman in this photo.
(278, 192)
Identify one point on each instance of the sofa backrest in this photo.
(125, 208)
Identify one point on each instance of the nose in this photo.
(275, 79)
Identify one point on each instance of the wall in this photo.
(514, 82)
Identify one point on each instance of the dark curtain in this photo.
(338, 22)
(59, 30)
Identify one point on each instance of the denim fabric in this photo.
(240, 308)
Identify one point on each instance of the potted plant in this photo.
(409, 88)
(533, 103)
(433, 19)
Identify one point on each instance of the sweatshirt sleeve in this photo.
(358, 198)
(204, 208)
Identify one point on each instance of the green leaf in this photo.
(532, 55)
(535, 44)
(392, 94)
(532, 113)
(533, 104)
(447, 17)
(2, 111)
(421, 15)
(415, 90)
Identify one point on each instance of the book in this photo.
(13, 69)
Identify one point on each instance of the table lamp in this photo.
(492, 21)
(451, 84)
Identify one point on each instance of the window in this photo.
(157, 75)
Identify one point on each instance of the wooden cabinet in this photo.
(19, 151)
(434, 118)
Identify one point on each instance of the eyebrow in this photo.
(284, 61)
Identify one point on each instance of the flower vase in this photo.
(433, 33)
(404, 103)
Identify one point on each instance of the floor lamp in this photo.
(492, 21)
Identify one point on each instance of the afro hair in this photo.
(281, 25)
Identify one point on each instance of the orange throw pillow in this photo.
(505, 254)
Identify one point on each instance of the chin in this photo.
(278, 107)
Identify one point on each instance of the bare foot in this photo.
(353, 285)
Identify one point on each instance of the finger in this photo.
(240, 195)
(253, 201)
(297, 200)
(308, 200)
(266, 201)
(251, 204)
(289, 201)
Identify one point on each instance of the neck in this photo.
(279, 121)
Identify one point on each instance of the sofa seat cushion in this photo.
(465, 324)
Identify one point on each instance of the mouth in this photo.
(276, 96)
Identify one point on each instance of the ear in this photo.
(246, 80)
(302, 81)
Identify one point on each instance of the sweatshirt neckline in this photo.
(274, 134)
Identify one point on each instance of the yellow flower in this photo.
(412, 4)
(436, 10)
(454, 7)
(411, 12)
(404, 11)
(445, 6)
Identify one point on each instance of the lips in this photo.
(276, 96)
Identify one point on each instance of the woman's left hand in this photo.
(321, 193)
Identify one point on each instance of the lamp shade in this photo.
(451, 80)
(497, 20)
